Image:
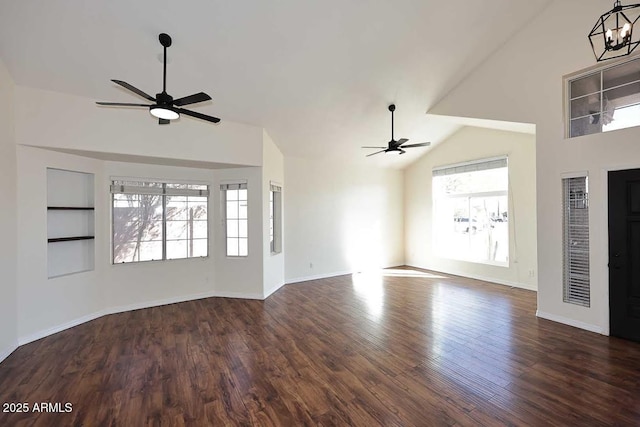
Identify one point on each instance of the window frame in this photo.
(469, 195)
(275, 218)
(224, 187)
(164, 182)
(598, 68)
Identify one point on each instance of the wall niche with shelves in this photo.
(70, 222)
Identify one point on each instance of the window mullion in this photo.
(164, 221)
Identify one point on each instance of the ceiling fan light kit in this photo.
(398, 145)
(612, 35)
(164, 107)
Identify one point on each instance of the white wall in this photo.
(272, 170)
(44, 304)
(51, 119)
(471, 144)
(523, 82)
(148, 283)
(341, 218)
(241, 277)
(8, 259)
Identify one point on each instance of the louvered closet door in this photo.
(624, 253)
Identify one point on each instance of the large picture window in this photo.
(158, 220)
(471, 214)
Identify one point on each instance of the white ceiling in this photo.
(318, 75)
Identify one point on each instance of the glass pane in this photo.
(622, 96)
(232, 210)
(200, 230)
(176, 249)
(489, 240)
(621, 74)
(242, 194)
(471, 182)
(232, 228)
(198, 207)
(232, 194)
(585, 125)
(585, 106)
(243, 247)
(150, 251)
(176, 208)
(177, 229)
(242, 228)
(623, 118)
(242, 210)
(585, 85)
(232, 247)
(124, 252)
(200, 248)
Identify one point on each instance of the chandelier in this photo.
(612, 36)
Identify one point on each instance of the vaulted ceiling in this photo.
(318, 75)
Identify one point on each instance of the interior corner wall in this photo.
(8, 217)
(523, 82)
(240, 277)
(272, 170)
(469, 144)
(46, 305)
(341, 218)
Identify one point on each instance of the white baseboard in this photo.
(571, 322)
(6, 352)
(484, 279)
(156, 303)
(240, 295)
(316, 277)
(272, 290)
(58, 328)
(130, 307)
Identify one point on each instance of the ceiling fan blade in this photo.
(374, 147)
(422, 144)
(401, 152)
(400, 142)
(122, 104)
(377, 152)
(198, 115)
(134, 90)
(164, 121)
(192, 99)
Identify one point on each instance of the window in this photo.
(471, 215)
(158, 220)
(604, 100)
(236, 218)
(575, 232)
(275, 218)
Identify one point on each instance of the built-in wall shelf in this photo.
(70, 219)
(69, 208)
(70, 239)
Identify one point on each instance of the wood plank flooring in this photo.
(408, 348)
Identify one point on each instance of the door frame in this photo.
(604, 225)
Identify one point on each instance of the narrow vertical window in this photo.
(575, 229)
(235, 198)
(275, 218)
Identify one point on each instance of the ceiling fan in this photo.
(164, 107)
(396, 145)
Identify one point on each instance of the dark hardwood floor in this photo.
(416, 348)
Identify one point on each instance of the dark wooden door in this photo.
(624, 254)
